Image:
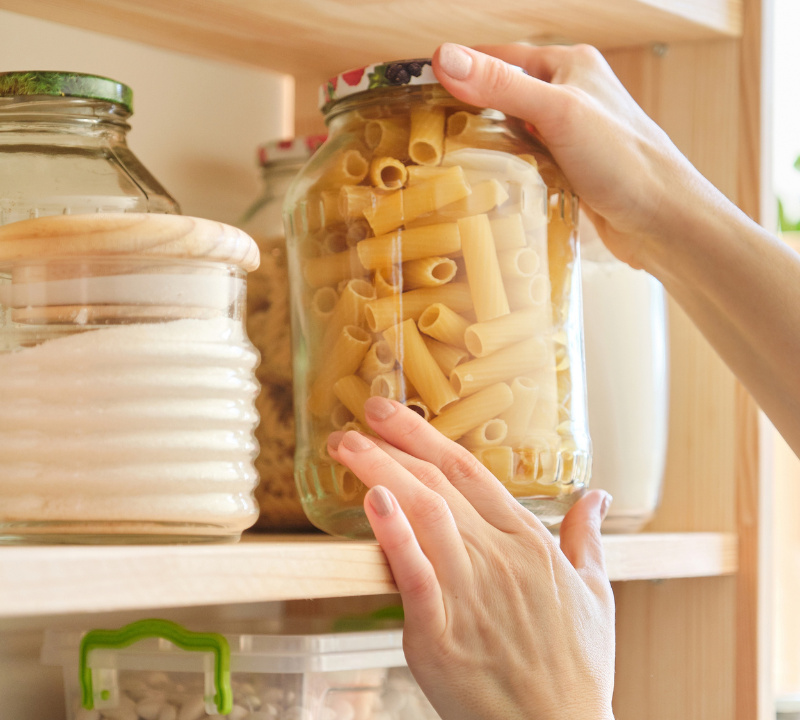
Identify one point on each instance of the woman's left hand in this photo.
(500, 621)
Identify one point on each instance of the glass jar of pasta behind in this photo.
(433, 260)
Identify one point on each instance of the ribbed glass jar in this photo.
(434, 260)
(127, 381)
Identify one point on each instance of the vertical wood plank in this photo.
(308, 119)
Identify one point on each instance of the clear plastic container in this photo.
(268, 326)
(63, 149)
(127, 380)
(243, 677)
(627, 369)
(434, 260)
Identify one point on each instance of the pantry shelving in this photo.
(320, 37)
(59, 580)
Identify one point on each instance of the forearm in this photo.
(741, 287)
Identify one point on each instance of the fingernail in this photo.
(455, 61)
(380, 499)
(605, 506)
(379, 408)
(335, 438)
(356, 442)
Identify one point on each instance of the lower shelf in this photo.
(69, 579)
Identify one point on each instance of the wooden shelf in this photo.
(55, 580)
(322, 37)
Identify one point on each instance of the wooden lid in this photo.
(138, 235)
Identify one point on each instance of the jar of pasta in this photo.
(127, 380)
(268, 326)
(434, 260)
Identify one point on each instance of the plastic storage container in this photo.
(268, 325)
(434, 260)
(156, 670)
(63, 149)
(627, 369)
(127, 380)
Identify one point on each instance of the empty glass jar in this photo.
(434, 260)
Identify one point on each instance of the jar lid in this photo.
(378, 75)
(65, 84)
(139, 235)
(292, 149)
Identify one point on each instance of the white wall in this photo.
(196, 122)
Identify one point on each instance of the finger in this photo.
(539, 62)
(580, 534)
(427, 511)
(485, 81)
(407, 431)
(414, 575)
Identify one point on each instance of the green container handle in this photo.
(177, 635)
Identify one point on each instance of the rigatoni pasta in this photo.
(378, 360)
(388, 173)
(382, 313)
(467, 414)
(492, 432)
(353, 392)
(442, 324)
(426, 143)
(428, 272)
(483, 270)
(447, 357)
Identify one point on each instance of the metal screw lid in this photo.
(65, 84)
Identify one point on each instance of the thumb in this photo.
(580, 532)
(485, 81)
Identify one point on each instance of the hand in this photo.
(500, 622)
(633, 182)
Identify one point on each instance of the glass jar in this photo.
(434, 260)
(627, 371)
(63, 149)
(127, 380)
(268, 326)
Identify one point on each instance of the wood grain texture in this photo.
(137, 235)
(323, 37)
(53, 580)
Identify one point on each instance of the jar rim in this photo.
(386, 74)
(65, 84)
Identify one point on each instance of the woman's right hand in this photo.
(633, 182)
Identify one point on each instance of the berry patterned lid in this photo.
(378, 75)
(65, 84)
(300, 148)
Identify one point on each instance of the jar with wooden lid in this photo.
(434, 260)
(63, 149)
(268, 325)
(127, 379)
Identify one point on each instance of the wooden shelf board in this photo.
(322, 37)
(70, 579)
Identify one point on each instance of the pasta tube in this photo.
(483, 270)
(334, 242)
(323, 302)
(467, 414)
(406, 245)
(353, 392)
(345, 357)
(349, 310)
(447, 357)
(419, 407)
(483, 339)
(393, 385)
(422, 370)
(340, 416)
(418, 173)
(358, 229)
(485, 196)
(354, 200)
(330, 269)
(498, 460)
(508, 232)
(544, 418)
(518, 263)
(426, 141)
(331, 214)
(441, 323)
(346, 483)
(349, 167)
(387, 173)
(428, 272)
(389, 212)
(518, 416)
(519, 359)
(388, 281)
(377, 361)
(528, 292)
(492, 432)
(387, 136)
(381, 314)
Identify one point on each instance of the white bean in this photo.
(168, 712)
(238, 713)
(158, 679)
(192, 710)
(149, 709)
(84, 714)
